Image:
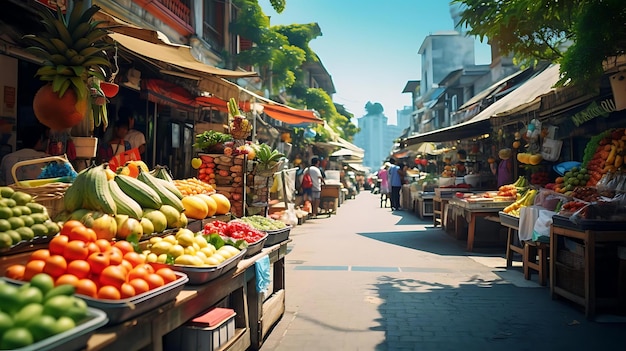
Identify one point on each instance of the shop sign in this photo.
(594, 110)
(53, 4)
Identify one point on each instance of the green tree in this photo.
(578, 34)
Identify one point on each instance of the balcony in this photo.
(174, 13)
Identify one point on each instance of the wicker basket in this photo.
(49, 195)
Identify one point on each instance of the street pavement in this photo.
(368, 278)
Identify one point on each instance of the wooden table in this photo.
(471, 212)
(424, 204)
(439, 211)
(236, 289)
(589, 238)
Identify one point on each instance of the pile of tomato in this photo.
(95, 267)
(235, 230)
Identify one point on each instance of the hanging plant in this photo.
(74, 51)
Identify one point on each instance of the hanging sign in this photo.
(603, 108)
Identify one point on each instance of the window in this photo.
(454, 103)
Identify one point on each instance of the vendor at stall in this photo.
(504, 170)
(460, 163)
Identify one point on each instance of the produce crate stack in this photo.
(227, 175)
(258, 190)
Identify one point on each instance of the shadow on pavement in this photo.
(431, 240)
(484, 315)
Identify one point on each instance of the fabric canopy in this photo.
(525, 98)
(167, 93)
(177, 55)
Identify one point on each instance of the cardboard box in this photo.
(208, 332)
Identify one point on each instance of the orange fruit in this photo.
(83, 234)
(135, 258)
(86, 287)
(115, 255)
(124, 246)
(138, 272)
(33, 267)
(103, 244)
(79, 268)
(41, 254)
(57, 244)
(69, 225)
(154, 281)
(167, 274)
(133, 169)
(140, 285)
(66, 279)
(76, 250)
(127, 291)
(98, 262)
(15, 271)
(113, 275)
(55, 266)
(126, 265)
(109, 292)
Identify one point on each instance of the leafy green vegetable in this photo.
(216, 240)
(210, 138)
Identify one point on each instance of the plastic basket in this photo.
(49, 195)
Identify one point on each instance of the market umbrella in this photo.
(423, 148)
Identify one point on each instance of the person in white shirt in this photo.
(32, 143)
(317, 180)
(136, 138)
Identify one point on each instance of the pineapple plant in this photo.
(73, 51)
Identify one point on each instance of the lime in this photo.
(28, 221)
(57, 306)
(43, 282)
(42, 327)
(39, 229)
(8, 202)
(15, 236)
(27, 313)
(26, 233)
(6, 191)
(6, 212)
(5, 225)
(64, 324)
(16, 338)
(8, 297)
(29, 295)
(25, 210)
(39, 218)
(21, 198)
(16, 222)
(196, 162)
(78, 311)
(53, 228)
(36, 208)
(6, 322)
(17, 211)
(5, 241)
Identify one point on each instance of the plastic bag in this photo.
(542, 225)
(262, 267)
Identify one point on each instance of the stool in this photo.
(384, 198)
(511, 247)
(536, 258)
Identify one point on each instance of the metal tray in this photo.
(256, 247)
(588, 224)
(122, 310)
(508, 220)
(27, 245)
(276, 236)
(201, 275)
(73, 339)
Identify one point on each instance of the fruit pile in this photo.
(21, 219)
(540, 178)
(571, 179)
(95, 267)
(262, 223)
(36, 311)
(237, 230)
(604, 153)
(188, 249)
(528, 199)
(202, 206)
(529, 159)
(225, 174)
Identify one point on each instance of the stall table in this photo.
(590, 237)
(472, 211)
(424, 205)
(237, 287)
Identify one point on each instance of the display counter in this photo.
(471, 211)
(424, 204)
(573, 274)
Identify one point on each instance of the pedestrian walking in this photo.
(395, 177)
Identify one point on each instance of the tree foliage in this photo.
(578, 34)
(373, 108)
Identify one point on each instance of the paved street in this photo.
(371, 279)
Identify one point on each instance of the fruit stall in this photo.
(137, 253)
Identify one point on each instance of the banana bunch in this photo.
(266, 156)
(528, 199)
(521, 185)
(73, 49)
(240, 127)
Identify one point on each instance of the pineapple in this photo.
(73, 50)
(240, 127)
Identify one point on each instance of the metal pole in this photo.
(254, 117)
(154, 137)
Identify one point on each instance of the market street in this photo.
(371, 279)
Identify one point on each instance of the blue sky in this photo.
(369, 47)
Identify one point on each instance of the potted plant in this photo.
(74, 53)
